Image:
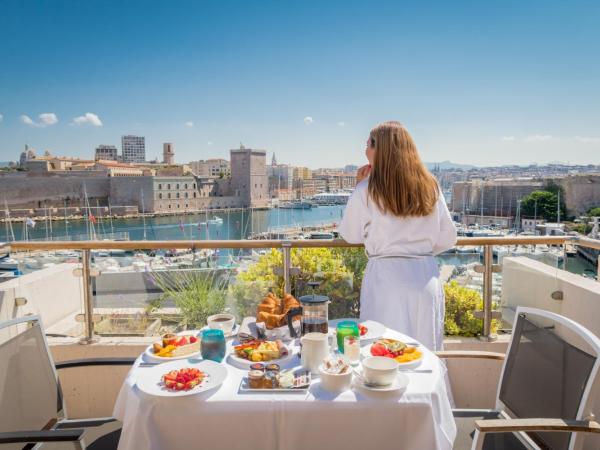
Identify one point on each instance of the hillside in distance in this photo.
(445, 165)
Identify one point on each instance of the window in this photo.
(169, 186)
(194, 195)
(169, 206)
(194, 185)
(160, 195)
(177, 185)
(186, 195)
(160, 185)
(178, 197)
(169, 195)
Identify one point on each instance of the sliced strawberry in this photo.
(193, 339)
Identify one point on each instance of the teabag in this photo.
(335, 365)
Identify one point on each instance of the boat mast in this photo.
(8, 223)
(143, 213)
(66, 221)
(112, 229)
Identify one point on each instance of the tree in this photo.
(543, 205)
(594, 212)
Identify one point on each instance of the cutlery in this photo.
(416, 370)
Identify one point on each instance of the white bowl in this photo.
(223, 322)
(335, 382)
(379, 370)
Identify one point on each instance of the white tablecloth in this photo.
(419, 418)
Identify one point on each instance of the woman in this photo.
(398, 212)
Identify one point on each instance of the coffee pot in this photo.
(314, 314)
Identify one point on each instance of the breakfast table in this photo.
(417, 417)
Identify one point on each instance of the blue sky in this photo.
(494, 82)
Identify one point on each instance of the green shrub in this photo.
(460, 304)
(196, 294)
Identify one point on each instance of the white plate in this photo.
(150, 380)
(244, 363)
(151, 357)
(375, 330)
(365, 352)
(400, 382)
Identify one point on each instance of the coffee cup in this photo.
(224, 322)
(379, 370)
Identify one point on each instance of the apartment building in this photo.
(211, 168)
(133, 149)
(106, 153)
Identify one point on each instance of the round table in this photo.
(419, 417)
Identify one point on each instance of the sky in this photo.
(484, 83)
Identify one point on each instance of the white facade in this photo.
(134, 148)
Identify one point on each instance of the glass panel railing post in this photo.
(488, 261)
(287, 262)
(88, 299)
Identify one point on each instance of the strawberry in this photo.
(179, 386)
(193, 339)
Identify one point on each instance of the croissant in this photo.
(271, 320)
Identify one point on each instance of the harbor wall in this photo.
(30, 190)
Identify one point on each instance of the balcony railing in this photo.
(487, 268)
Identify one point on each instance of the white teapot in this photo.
(315, 348)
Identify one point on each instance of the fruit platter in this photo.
(258, 350)
(405, 355)
(172, 347)
(181, 378)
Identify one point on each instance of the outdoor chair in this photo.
(32, 410)
(548, 386)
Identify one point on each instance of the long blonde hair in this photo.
(399, 182)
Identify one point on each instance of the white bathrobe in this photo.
(401, 288)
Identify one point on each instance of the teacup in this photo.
(379, 370)
(223, 322)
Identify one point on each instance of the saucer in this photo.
(399, 383)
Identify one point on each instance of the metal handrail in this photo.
(275, 243)
(286, 245)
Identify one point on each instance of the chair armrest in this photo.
(455, 354)
(41, 436)
(513, 425)
(94, 362)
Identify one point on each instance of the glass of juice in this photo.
(345, 328)
(352, 349)
(212, 345)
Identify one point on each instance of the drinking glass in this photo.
(212, 345)
(345, 328)
(352, 349)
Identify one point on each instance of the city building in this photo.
(281, 177)
(133, 149)
(249, 177)
(168, 153)
(106, 152)
(211, 168)
(302, 173)
(350, 168)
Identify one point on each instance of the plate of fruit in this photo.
(259, 350)
(369, 329)
(181, 378)
(173, 346)
(407, 356)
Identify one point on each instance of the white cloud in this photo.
(587, 139)
(308, 120)
(1, 117)
(209, 143)
(538, 138)
(88, 119)
(46, 119)
(189, 124)
(341, 124)
(508, 138)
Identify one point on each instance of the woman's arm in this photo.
(352, 226)
(447, 236)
